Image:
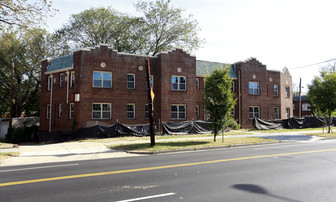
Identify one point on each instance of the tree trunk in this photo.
(215, 134)
(329, 122)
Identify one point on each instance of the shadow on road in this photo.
(259, 190)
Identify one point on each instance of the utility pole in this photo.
(300, 99)
(11, 106)
(150, 105)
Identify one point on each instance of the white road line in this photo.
(33, 168)
(147, 197)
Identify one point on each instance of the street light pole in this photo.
(150, 105)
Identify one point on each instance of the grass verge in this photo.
(188, 144)
(327, 135)
(5, 155)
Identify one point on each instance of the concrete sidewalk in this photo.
(76, 151)
(61, 152)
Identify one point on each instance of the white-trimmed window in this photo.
(130, 81)
(72, 79)
(287, 113)
(49, 82)
(60, 110)
(197, 111)
(276, 112)
(101, 111)
(287, 92)
(178, 83)
(48, 111)
(254, 112)
(178, 111)
(146, 112)
(71, 111)
(276, 90)
(102, 79)
(306, 107)
(254, 88)
(61, 80)
(151, 79)
(197, 84)
(130, 111)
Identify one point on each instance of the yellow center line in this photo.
(154, 168)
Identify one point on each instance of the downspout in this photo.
(51, 95)
(68, 83)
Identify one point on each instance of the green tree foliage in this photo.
(322, 94)
(166, 27)
(218, 98)
(160, 29)
(26, 49)
(24, 13)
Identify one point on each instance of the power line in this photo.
(313, 64)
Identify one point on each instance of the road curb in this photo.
(196, 149)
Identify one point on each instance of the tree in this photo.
(26, 49)
(23, 13)
(166, 27)
(100, 26)
(322, 94)
(218, 98)
(162, 28)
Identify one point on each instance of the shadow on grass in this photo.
(159, 145)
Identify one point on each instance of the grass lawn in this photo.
(188, 144)
(5, 155)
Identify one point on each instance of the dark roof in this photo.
(205, 67)
(60, 63)
(303, 98)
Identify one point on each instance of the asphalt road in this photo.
(295, 171)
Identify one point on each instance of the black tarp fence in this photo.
(292, 123)
(186, 127)
(117, 130)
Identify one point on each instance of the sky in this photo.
(278, 33)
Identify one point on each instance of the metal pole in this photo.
(11, 106)
(150, 106)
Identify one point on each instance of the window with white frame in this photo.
(306, 107)
(130, 81)
(287, 113)
(72, 111)
(102, 79)
(49, 82)
(101, 111)
(60, 110)
(130, 111)
(72, 79)
(61, 80)
(146, 112)
(197, 111)
(178, 111)
(287, 92)
(178, 83)
(197, 84)
(276, 112)
(151, 79)
(48, 111)
(254, 88)
(254, 112)
(276, 90)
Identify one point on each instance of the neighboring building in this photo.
(100, 86)
(305, 106)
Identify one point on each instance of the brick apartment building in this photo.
(305, 107)
(100, 86)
